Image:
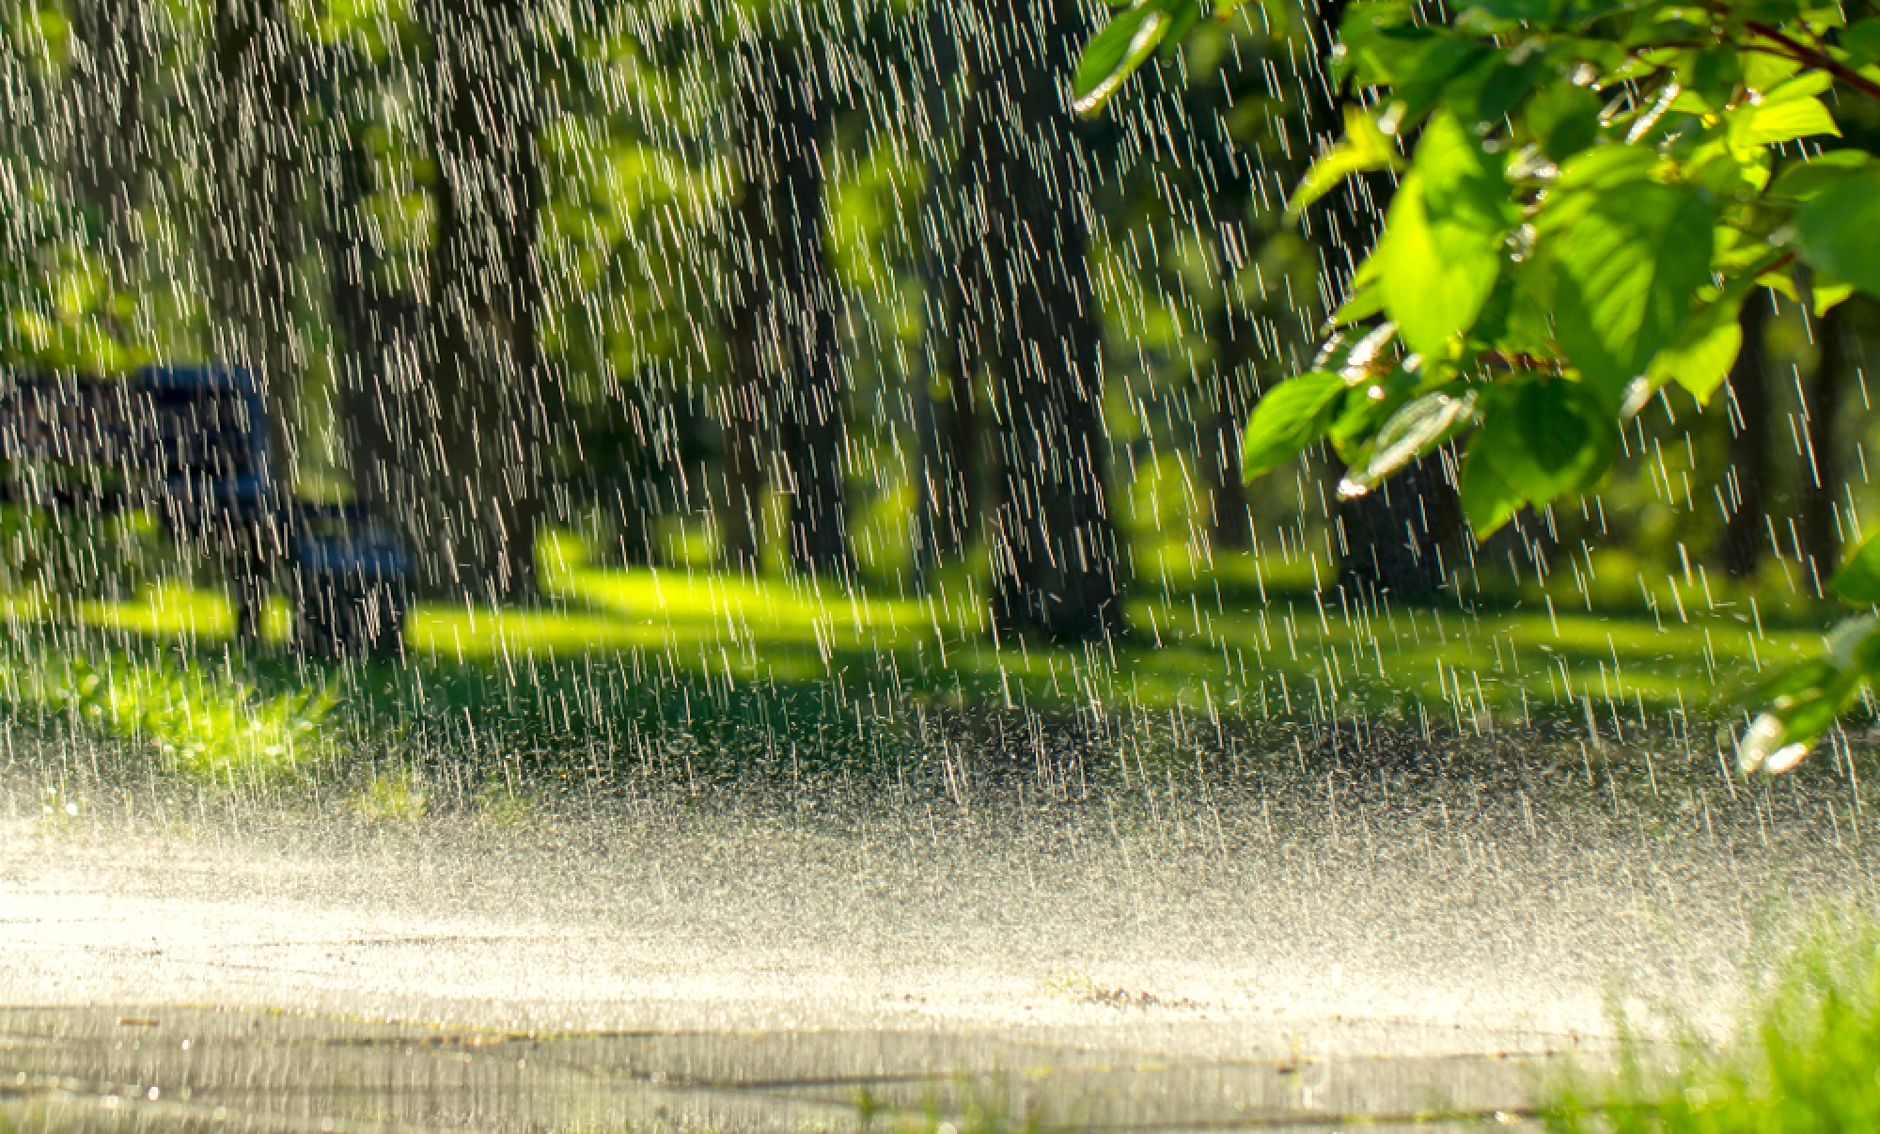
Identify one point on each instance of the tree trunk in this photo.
(108, 63)
(787, 326)
(1394, 539)
(1741, 548)
(1821, 472)
(1229, 397)
(1056, 570)
(746, 418)
(480, 495)
(252, 161)
(379, 328)
(947, 502)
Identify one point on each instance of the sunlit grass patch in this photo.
(1806, 1057)
(399, 796)
(1243, 635)
(219, 730)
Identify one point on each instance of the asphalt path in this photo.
(1288, 953)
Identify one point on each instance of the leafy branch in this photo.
(1593, 194)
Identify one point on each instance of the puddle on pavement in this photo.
(205, 1069)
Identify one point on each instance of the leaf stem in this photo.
(1817, 59)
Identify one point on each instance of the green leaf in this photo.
(1548, 436)
(1490, 90)
(1519, 11)
(1114, 53)
(1412, 431)
(1628, 261)
(1788, 112)
(1608, 167)
(1715, 73)
(1789, 121)
(1286, 420)
(1442, 249)
(1488, 501)
(1363, 148)
(1804, 180)
(1838, 231)
(1564, 119)
(1367, 302)
(1862, 42)
(1185, 16)
(1858, 580)
(1699, 359)
(1765, 70)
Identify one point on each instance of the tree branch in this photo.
(1819, 60)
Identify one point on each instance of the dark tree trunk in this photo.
(1747, 405)
(251, 162)
(746, 419)
(948, 481)
(947, 496)
(1056, 570)
(947, 500)
(109, 59)
(1821, 471)
(477, 472)
(1399, 541)
(1229, 397)
(787, 325)
(378, 326)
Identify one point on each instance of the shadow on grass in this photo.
(622, 668)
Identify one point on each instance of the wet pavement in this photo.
(1313, 957)
(188, 1068)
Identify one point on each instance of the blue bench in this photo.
(190, 445)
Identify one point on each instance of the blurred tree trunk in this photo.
(1741, 547)
(746, 413)
(946, 474)
(787, 323)
(1821, 473)
(378, 327)
(1056, 568)
(110, 55)
(251, 162)
(478, 471)
(1228, 398)
(946, 500)
(1394, 539)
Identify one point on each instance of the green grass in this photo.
(1806, 1059)
(215, 729)
(617, 656)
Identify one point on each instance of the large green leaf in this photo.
(1564, 119)
(1443, 247)
(1548, 436)
(1628, 260)
(1838, 231)
(1488, 500)
(1790, 111)
(1858, 580)
(1287, 419)
(1699, 359)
